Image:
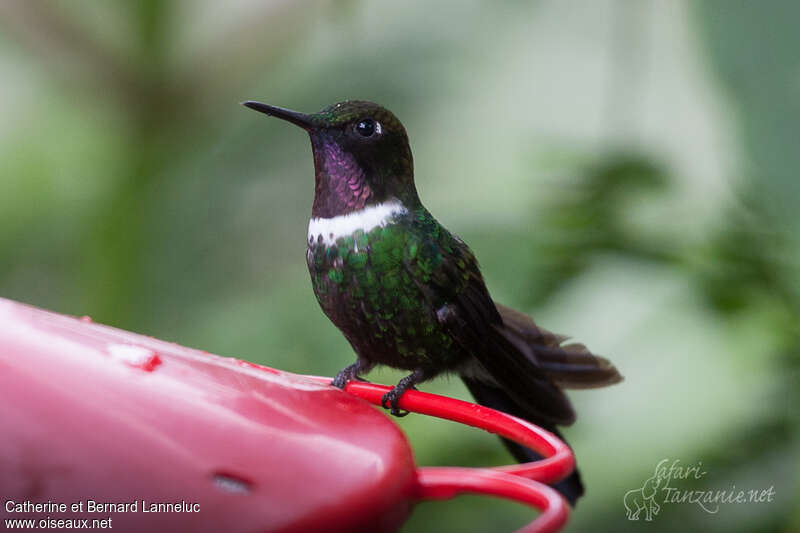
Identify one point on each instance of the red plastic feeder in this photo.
(137, 434)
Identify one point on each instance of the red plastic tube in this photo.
(443, 483)
(524, 483)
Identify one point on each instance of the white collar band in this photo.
(364, 219)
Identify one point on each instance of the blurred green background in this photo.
(625, 171)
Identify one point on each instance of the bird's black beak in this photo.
(299, 119)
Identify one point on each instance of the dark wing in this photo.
(571, 365)
(449, 276)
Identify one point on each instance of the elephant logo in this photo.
(643, 499)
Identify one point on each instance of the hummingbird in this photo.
(408, 293)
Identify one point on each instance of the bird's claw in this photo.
(350, 373)
(390, 401)
(341, 381)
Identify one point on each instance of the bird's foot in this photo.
(349, 373)
(341, 379)
(391, 399)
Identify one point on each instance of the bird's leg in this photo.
(351, 372)
(393, 396)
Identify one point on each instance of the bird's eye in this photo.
(368, 127)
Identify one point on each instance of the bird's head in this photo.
(361, 156)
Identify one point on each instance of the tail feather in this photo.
(522, 374)
(571, 366)
(570, 487)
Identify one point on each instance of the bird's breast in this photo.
(362, 272)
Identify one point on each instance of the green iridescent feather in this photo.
(379, 284)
